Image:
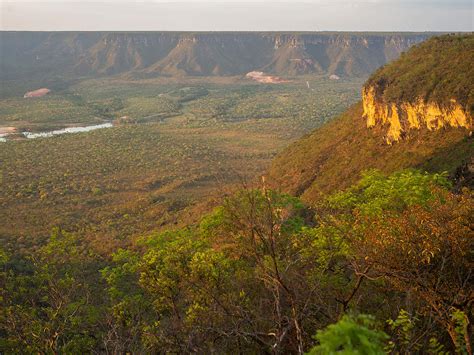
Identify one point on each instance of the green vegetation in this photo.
(48, 110)
(118, 182)
(350, 335)
(153, 237)
(159, 165)
(437, 70)
(262, 273)
(99, 100)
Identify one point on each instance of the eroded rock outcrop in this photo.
(400, 118)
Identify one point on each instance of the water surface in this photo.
(57, 132)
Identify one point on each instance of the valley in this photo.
(175, 146)
(241, 193)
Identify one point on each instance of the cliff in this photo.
(430, 87)
(400, 118)
(424, 101)
(205, 53)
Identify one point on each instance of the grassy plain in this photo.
(175, 147)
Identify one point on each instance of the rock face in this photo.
(171, 53)
(400, 118)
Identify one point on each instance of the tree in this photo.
(266, 232)
(128, 308)
(352, 335)
(250, 278)
(427, 252)
(49, 300)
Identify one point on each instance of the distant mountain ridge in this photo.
(24, 54)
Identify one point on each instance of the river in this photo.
(77, 129)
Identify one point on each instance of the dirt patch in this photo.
(37, 93)
(7, 130)
(261, 77)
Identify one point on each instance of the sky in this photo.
(237, 15)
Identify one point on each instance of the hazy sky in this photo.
(242, 15)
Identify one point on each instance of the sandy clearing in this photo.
(7, 130)
(261, 77)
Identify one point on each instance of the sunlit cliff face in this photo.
(399, 118)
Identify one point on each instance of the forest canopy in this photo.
(382, 267)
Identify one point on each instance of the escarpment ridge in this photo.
(198, 54)
(421, 105)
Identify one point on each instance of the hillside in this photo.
(144, 54)
(433, 136)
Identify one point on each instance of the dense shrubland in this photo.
(168, 150)
(382, 267)
(93, 101)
